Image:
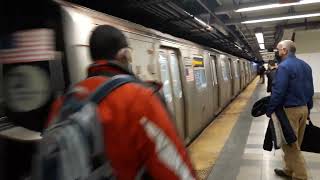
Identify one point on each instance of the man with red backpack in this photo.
(138, 133)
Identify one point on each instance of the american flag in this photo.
(189, 74)
(27, 46)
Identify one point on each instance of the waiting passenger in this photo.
(292, 89)
(138, 131)
(262, 70)
(272, 69)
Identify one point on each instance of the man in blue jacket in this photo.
(292, 89)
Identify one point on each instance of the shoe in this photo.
(281, 173)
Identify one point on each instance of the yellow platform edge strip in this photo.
(205, 150)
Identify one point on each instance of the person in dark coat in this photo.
(262, 71)
(292, 90)
(272, 69)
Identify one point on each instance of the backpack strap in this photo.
(112, 84)
(103, 167)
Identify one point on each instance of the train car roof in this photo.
(136, 28)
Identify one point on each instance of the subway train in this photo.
(198, 81)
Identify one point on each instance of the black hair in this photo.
(272, 63)
(105, 42)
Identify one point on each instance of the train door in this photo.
(191, 96)
(237, 75)
(224, 81)
(249, 68)
(201, 88)
(215, 100)
(208, 91)
(242, 74)
(170, 77)
(232, 76)
(247, 72)
(177, 91)
(236, 80)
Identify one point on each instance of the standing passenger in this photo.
(262, 70)
(292, 89)
(271, 74)
(138, 131)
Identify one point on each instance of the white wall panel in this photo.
(308, 49)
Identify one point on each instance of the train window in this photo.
(199, 72)
(236, 69)
(246, 67)
(165, 77)
(213, 70)
(200, 77)
(203, 78)
(224, 71)
(229, 69)
(243, 67)
(234, 66)
(175, 73)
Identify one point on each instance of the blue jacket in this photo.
(292, 86)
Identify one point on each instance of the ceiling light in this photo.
(262, 46)
(200, 21)
(238, 46)
(259, 37)
(276, 5)
(207, 26)
(281, 18)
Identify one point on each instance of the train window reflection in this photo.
(213, 71)
(200, 77)
(165, 77)
(175, 76)
(236, 69)
(224, 71)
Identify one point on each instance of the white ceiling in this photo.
(268, 28)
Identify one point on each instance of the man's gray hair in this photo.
(289, 45)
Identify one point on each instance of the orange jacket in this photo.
(138, 131)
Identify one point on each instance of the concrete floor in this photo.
(231, 147)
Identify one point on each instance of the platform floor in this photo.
(231, 147)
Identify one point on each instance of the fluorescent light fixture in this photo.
(281, 18)
(207, 26)
(200, 21)
(262, 46)
(276, 5)
(259, 37)
(237, 46)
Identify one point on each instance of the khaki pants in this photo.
(294, 161)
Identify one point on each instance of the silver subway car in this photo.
(198, 82)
